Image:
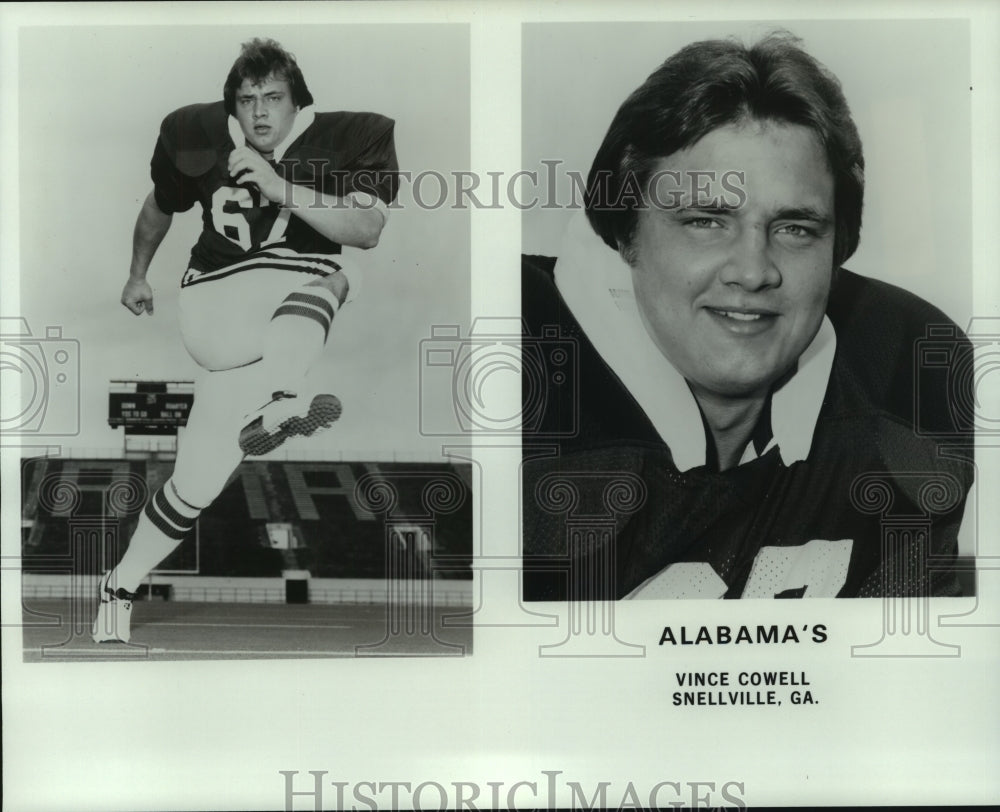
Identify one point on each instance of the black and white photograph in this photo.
(423, 405)
(225, 319)
(762, 385)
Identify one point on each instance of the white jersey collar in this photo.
(597, 286)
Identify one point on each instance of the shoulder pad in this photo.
(194, 135)
(882, 333)
(346, 134)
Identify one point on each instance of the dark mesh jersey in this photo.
(873, 510)
(337, 154)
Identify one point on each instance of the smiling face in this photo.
(733, 296)
(265, 112)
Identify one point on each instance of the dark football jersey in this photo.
(873, 510)
(338, 153)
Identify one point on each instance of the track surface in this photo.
(59, 630)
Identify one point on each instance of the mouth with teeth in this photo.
(733, 314)
(743, 322)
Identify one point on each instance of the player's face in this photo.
(732, 288)
(265, 112)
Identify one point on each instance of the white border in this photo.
(214, 735)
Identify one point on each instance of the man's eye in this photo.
(703, 222)
(796, 230)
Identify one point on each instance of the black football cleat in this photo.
(284, 416)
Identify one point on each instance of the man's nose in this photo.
(259, 110)
(751, 265)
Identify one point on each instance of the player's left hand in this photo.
(247, 166)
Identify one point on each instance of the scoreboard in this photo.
(159, 407)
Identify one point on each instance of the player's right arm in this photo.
(151, 227)
(172, 192)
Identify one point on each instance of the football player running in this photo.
(282, 188)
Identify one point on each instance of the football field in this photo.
(58, 630)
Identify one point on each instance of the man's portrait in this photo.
(750, 413)
(450, 368)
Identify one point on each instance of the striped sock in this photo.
(296, 336)
(164, 523)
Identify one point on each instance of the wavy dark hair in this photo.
(260, 59)
(710, 84)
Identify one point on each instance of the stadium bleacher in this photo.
(335, 519)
